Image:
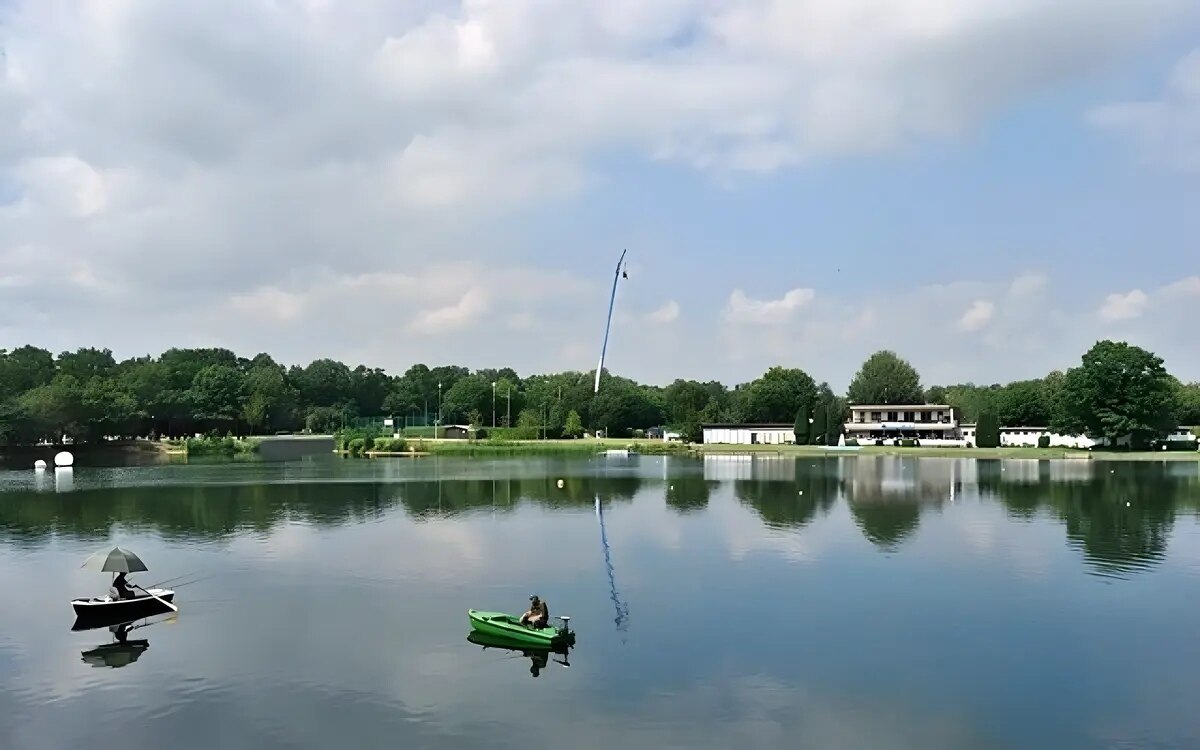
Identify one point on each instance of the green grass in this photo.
(543, 447)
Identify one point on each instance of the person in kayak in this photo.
(538, 615)
(123, 590)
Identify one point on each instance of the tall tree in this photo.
(24, 368)
(777, 395)
(573, 427)
(802, 428)
(325, 382)
(886, 379)
(1120, 390)
(987, 431)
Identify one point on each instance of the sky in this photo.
(986, 187)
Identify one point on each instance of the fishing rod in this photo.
(608, 323)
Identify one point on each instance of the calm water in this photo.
(846, 603)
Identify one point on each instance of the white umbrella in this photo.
(116, 560)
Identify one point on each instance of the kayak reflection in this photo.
(539, 657)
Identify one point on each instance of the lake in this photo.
(724, 602)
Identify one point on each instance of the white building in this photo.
(932, 424)
(749, 434)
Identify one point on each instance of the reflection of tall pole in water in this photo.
(622, 608)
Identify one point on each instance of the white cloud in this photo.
(1166, 130)
(978, 315)
(743, 309)
(389, 171)
(1027, 285)
(668, 313)
(1119, 306)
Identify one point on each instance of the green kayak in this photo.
(510, 628)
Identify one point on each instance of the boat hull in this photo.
(107, 609)
(509, 628)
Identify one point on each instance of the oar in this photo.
(164, 602)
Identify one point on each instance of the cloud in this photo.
(1165, 130)
(1123, 306)
(394, 171)
(668, 313)
(978, 315)
(1028, 285)
(743, 309)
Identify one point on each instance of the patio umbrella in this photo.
(116, 560)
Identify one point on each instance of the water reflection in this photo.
(1119, 515)
(121, 651)
(539, 658)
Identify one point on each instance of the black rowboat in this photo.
(123, 610)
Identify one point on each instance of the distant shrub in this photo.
(390, 445)
(909, 443)
(227, 446)
(481, 433)
(879, 442)
(356, 446)
(852, 442)
(1043, 441)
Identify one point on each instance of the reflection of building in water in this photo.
(727, 468)
(767, 468)
(880, 478)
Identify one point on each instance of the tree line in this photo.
(87, 395)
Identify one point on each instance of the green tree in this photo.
(820, 424)
(324, 382)
(468, 394)
(936, 394)
(573, 427)
(1023, 403)
(85, 364)
(622, 406)
(777, 395)
(801, 428)
(886, 379)
(216, 395)
(1120, 390)
(1186, 409)
(369, 387)
(23, 369)
(987, 431)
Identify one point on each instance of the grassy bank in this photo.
(543, 447)
(228, 447)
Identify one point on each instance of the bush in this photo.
(390, 445)
(355, 446)
(852, 442)
(1043, 441)
(227, 446)
(910, 443)
(481, 433)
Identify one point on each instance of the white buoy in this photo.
(560, 484)
(63, 458)
(39, 465)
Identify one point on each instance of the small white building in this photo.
(749, 434)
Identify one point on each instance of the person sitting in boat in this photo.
(538, 615)
(122, 587)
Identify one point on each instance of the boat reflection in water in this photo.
(539, 656)
(122, 651)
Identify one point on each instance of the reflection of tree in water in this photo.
(887, 523)
(1121, 517)
(222, 510)
(789, 504)
(689, 493)
(452, 496)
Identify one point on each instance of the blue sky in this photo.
(985, 187)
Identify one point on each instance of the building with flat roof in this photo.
(921, 421)
(775, 433)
